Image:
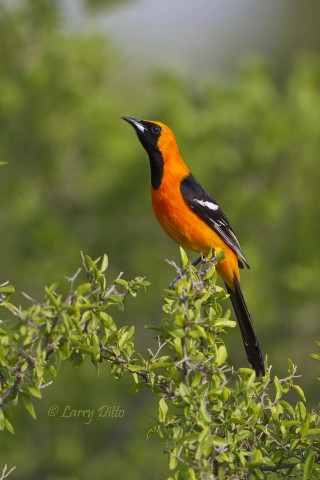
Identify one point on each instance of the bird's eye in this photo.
(155, 129)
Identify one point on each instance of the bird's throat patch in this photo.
(156, 165)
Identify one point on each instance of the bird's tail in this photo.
(249, 337)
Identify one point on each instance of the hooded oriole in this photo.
(190, 216)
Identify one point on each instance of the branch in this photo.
(145, 376)
(6, 474)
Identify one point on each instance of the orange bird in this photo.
(191, 217)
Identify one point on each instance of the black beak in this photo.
(137, 124)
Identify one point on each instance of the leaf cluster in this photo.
(34, 341)
(215, 421)
(218, 422)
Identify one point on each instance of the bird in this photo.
(193, 219)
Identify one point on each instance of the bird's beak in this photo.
(137, 124)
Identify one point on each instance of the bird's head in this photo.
(159, 142)
(154, 136)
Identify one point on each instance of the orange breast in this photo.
(185, 227)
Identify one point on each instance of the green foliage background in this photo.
(77, 179)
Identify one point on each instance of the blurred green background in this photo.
(240, 86)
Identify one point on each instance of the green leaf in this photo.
(225, 323)
(137, 387)
(191, 474)
(302, 410)
(89, 263)
(197, 331)
(219, 442)
(35, 392)
(278, 456)
(160, 366)
(184, 258)
(246, 370)
(7, 289)
(84, 288)
(8, 426)
(29, 406)
(219, 255)
(278, 388)
(173, 461)
(289, 409)
(294, 444)
(308, 466)
(136, 368)
(210, 273)
(126, 337)
(163, 410)
(183, 390)
(77, 358)
(204, 413)
(104, 263)
(222, 355)
(313, 432)
(2, 419)
(316, 356)
(300, 392)
(291, 366)
(178, 332)
(257, 458)
(108, 321)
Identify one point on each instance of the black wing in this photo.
(209, 211)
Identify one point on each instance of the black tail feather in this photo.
(249, 337)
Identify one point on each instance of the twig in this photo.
(113, 287)
(275, 468)
(32, 300)
(71, 281)
(6, 473)
(185, 360)
(161, 345)
(14, 387)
